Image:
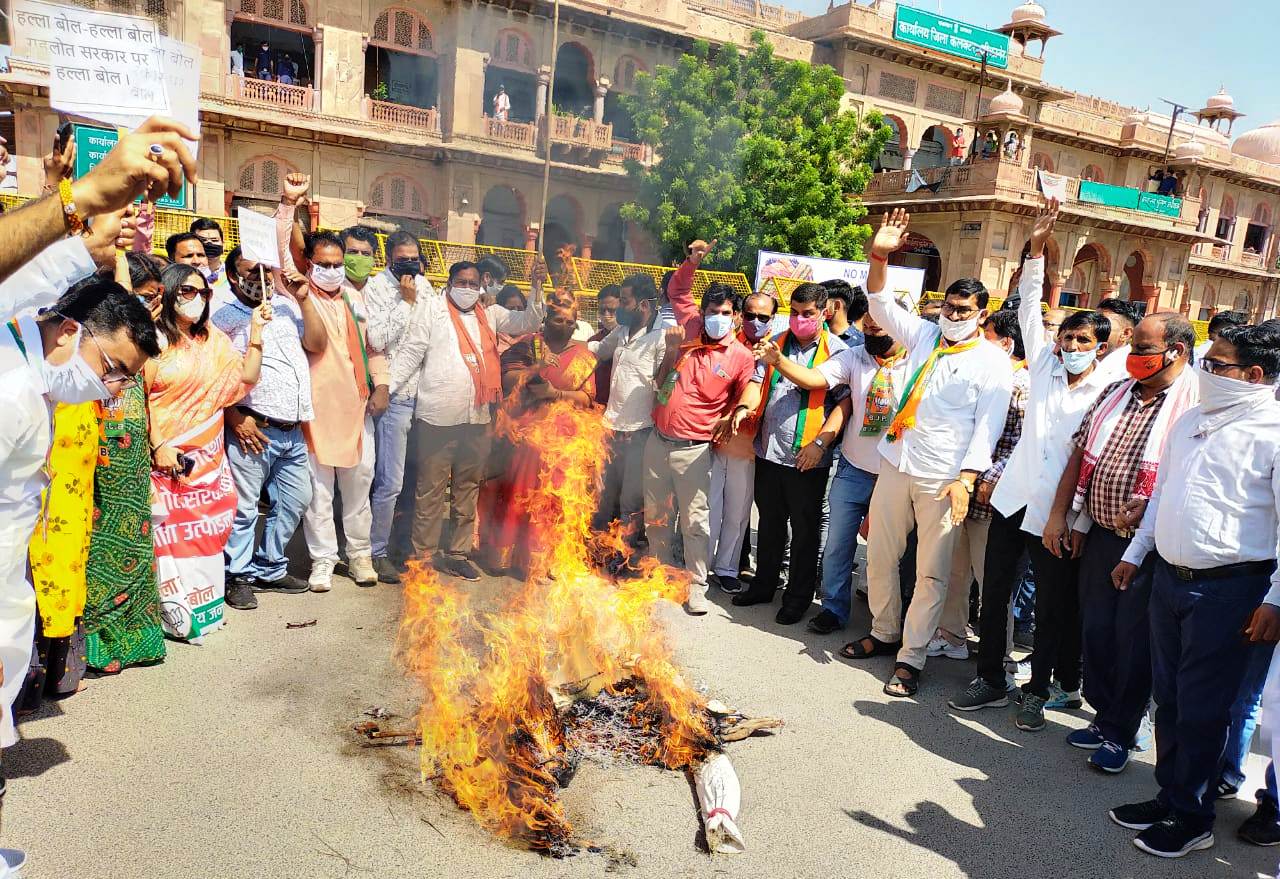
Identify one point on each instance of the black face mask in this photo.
(878, 346)
(402, 267)
(212, 249)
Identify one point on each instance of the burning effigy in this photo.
(573, 661)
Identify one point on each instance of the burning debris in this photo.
(573, 664)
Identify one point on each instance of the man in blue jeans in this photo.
(875, 374)
(389, 299)
(265, 446)
(1212, 521)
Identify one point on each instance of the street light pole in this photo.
(550, 123)
(1178, 110)
(977, 110)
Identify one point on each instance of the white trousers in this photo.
(17, 624)
(353, 483)
(732, 489)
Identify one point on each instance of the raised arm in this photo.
(680, 287)
(519, 323)
(289, 235)
(1030, 285)
(909, 329)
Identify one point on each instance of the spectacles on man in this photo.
(958, 312)
(750, 315)
(115, 374)
(465, 285)
(1215, 366)
(187, 292)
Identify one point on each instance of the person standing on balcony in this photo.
(210, 235)
(348, 389)
(237, 60)
(389, 298)
(958, 145)
(262, 65)
(501, 104)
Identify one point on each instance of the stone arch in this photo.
(513, 50)
(1043, 162)
(611, 235)
(563, 227)
(503, 217)
(891, 157)
(574, 88)
(399, 195)
(1242, 303)
(624, 73)
(1262, 213)
(262, 177)
(403, 30)
(292, 14)
(1090, 274)
(1093, 173)
(920, 252)
(935, 143)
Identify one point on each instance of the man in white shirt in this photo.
(940, 440)
(1212, 522)
(450, 348)
(1217, 324)
(389, 299)
(1124, 317)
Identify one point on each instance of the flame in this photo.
(492, 732)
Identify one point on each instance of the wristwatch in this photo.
(819, 443)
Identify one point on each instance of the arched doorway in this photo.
(1093, 174)
(400, 64)
(277, 40)
(890, 158)
(564, 227)
(1133, 279)
(502, 218)
(919, 252)
(624, 83)
(1042, 162)
(933, 148)
(611, 236)
(512, 68)
(573, 93)
(1088, 270)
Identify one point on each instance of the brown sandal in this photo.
(903, 687)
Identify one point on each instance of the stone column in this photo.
(602, 89)
(544, 83)
(907, 155)
(531, 236)
(341, 72)
(588, 241)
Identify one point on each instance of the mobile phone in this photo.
(185, 464)
(63, 136)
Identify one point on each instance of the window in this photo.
(513, 50)
(261, 178)
(1093, 173)
(944, 100)
(624, 74)
(409, 32)
(898, 88)
(397, 194)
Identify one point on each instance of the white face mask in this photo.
(205, 272)
(74, 381)
(192, 310)
(494, 289)
(957, 330)
(1219, 392)
(464, 297)
(1077, 362)
(328, 278)
(717, 326)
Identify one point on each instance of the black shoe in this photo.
(240, 595)
(1140, 816)
(288, 584)
(387, 572)
(1226, 790)
(750, 597)
(730, 585)
(1263, 826)
(824, 623)
(789, 616)
(1172, 839)
(462, 569)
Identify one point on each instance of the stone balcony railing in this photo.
(623, 150)
(753, 10)
(1070, 119)
(264, 91)
(402, 116)
(1228, 256)
(1251, 259)
(516, 134)
(577, 131)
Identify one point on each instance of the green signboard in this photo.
(1165, 205)
(1130, 199)
(92, 146)
(942, 34)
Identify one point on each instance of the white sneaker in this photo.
(321, 579)
(362, 571)
(697, 604)
(943, 647)
(12, 861)
(1023, 672)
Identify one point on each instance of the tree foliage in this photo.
(755, 151)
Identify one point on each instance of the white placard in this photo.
(903, 281)
(102, 65)
(258, 237)
(1052, 185)
(181, 65)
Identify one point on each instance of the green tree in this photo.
(755, 151)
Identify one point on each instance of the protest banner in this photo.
(903, 281)
(258, 237)
(181, 65)
(1052, 185)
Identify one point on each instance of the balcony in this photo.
(523, 135)
(403, 116)
(264, 91)
(575, 131)
(1069, 120)
(1225, 260)
(755, 11)
(623, 150)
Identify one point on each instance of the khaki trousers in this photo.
(677, 476)
(448, 455)
(899, 503)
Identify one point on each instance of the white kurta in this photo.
(26, 433)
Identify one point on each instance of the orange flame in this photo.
(491, 730)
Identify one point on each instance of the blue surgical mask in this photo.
(1077, 362)
(717, 326)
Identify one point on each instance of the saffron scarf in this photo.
(812, 414)
(906, 417)
(356, 351)
(486, 375)
(1182, 395)
(877, 414)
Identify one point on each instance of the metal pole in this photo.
(977, 110)
(547, 120)
(1178, 110)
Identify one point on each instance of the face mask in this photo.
(74, 381)
(1220, 392)
(193, 310)
(878, 346)
(251, 288)
(756, 329)
(805, 327)
(1144, 366)
(717, 326)
(957, 330)
(1077, 362)
(402, 267)
(328, 278)
(464, 298)
(212, 249)
(205, 272)
(494, 289)
(357, 266)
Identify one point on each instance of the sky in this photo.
(1137, 52)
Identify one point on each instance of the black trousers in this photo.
(1001, 574)
(1057, 652)
(786, 495)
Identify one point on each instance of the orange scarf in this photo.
(906, 417)
(486, 376)
(355, 346)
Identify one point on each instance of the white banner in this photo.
(905, 282)
(258, 237)
(1053, 185)
(181, 65)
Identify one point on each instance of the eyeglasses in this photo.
(115, 375)
(187, 292)
(463, 285)
(747, 315)
(950, 310)
(1213, 365)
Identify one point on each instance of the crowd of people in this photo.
(173, 420)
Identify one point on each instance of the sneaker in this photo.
(288, 585)
(1087, 739)
(1263, 826)
(386, 571)
(824, 622)
(240, 595)
(321, 579)
(980, 694)
(730, 585)
(697, 604)
(1030, 716)
(12, 860)
(1226, 790)
(463, 570)
(1022, 673)
(1061, 700)
(943, 647)
(361, 570)
(1146, 737)
(1172, 839)
(1140, 816)
(1110, 757)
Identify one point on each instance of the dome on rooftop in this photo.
(1221, 101)
(1030, 12)
(1262, 144)
(1006, 102)
(1190, 150)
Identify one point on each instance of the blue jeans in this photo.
(283, 467)
(1244, 714)
(1198, 658)
(849, 501)
(391, 440)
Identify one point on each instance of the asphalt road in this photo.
(236, 759)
